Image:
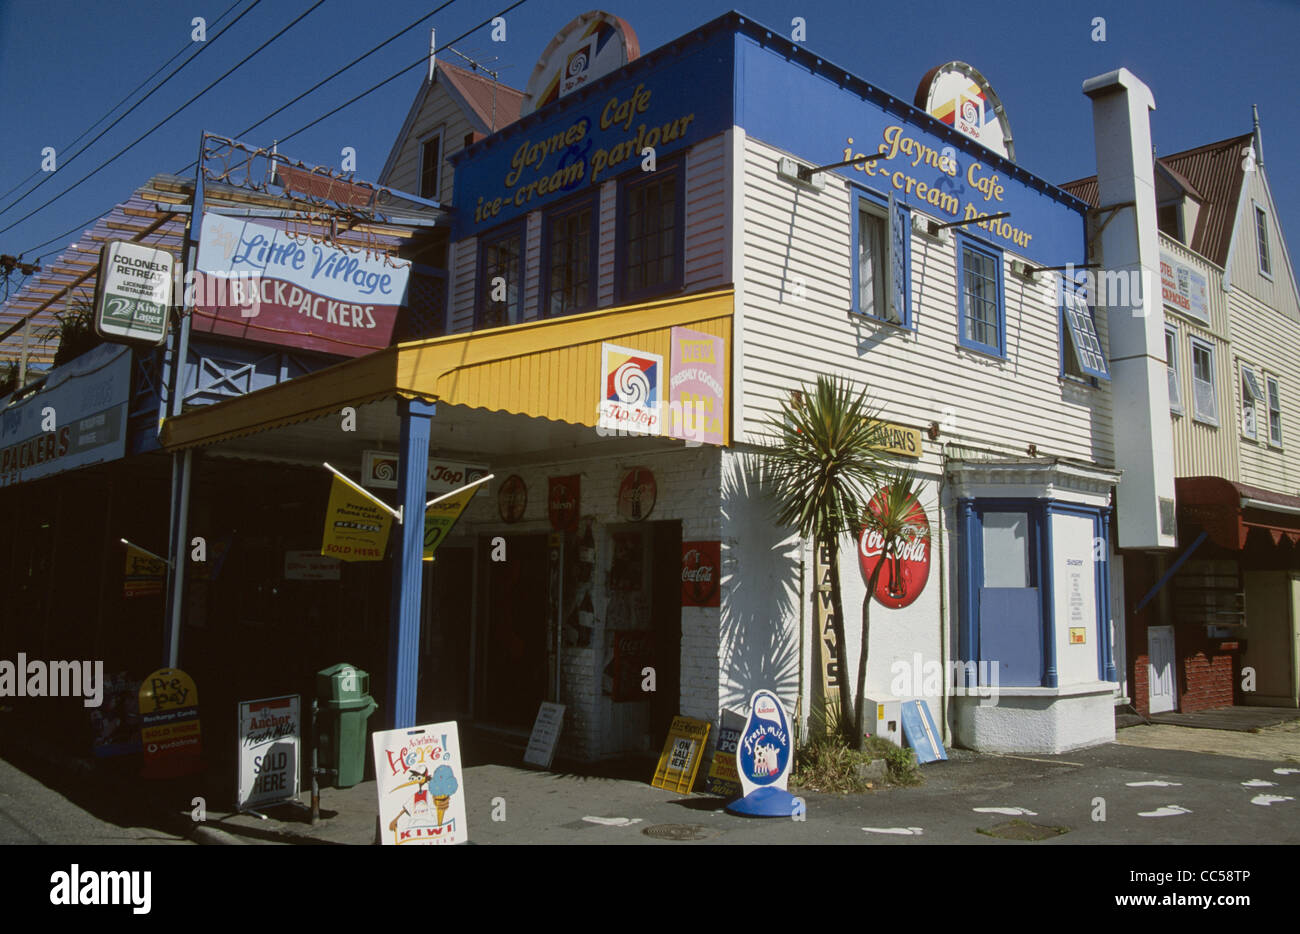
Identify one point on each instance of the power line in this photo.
(423, 60)
(129, 95)
(155, 127)
(126, 114)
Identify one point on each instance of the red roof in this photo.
(495, 104)
(1214, 174)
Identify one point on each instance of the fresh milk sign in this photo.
(763, 755)
(260, 283)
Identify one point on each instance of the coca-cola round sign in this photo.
(907, 566)
(637, 494)
(701, 569)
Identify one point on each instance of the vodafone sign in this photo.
(907, 567)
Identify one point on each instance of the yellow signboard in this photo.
(441, 514)
(680, 759)
(144, 573)
(900, 440)
(356, 526)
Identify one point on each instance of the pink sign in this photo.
(697, 394)
(261, 284)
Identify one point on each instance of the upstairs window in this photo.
(1173, 371)
(1169, 221)
(431, 166)
(881, 244)
(1205, 401)
(1261, 236)
(651, 233)
(1274, 411)
(980, 296)
(570, 235)
(500, 282)
(1251, 397)
(1082, 355)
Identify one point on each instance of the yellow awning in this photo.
(545, 369)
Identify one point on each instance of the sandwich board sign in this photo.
(680, 759)
(546, 733)
(133, 293)
(269, 751)
(420, 780)
(921, 733)
(763, 755)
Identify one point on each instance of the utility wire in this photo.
(421, 61)
(72, 158)
(157, 125)
(110, 110)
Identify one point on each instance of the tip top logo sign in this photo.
(630, 390)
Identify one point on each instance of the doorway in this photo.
(514, 654)
(1162, 690)
(445, 636)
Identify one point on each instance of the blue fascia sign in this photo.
(597, 134)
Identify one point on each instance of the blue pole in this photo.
(404, 615)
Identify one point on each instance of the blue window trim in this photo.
(971, 514)
(1089, 379)
(590, 200)
(626, 184)
(963, 242)
(881, 204)
(519, 227)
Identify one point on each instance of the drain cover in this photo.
(1023, 830)
(678, 832)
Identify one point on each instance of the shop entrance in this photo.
(513, 600)
(445, 635)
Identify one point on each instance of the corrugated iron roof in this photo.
(1214, 172)
(494, 103)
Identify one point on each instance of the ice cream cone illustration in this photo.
(443, 786)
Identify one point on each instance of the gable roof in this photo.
(488, 105)
(1213, 174)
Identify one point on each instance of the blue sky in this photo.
(63, 64)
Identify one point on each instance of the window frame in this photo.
(424, 141)
(627, 184)
(1263, 252)
(1067, 334)
(1249, 386)
(1175, 405)
(963, 242)
(518, 228)
(888, 211)
(1270, 383)
(589, 200)
(1198, 343)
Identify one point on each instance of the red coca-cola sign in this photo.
(701, 572)
(637, 494)
(907, 566)
(512, 498)
(562, 502)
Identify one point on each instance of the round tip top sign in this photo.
(763, 754)
(587, 49)
(959, 96)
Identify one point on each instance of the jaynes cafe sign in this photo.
(263, 284)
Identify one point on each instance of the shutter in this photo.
(896, 264)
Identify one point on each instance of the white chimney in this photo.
(1127, 284)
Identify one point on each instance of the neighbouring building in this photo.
(1215, 622)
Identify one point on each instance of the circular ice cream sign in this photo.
(907, 565)
(763, 755)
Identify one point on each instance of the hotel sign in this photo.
(1184, 289)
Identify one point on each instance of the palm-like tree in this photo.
(825, 458)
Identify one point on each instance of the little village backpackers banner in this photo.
(259, 283)
(683, 102)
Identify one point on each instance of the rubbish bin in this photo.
(345, 706)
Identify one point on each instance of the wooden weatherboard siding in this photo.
(797, 302)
